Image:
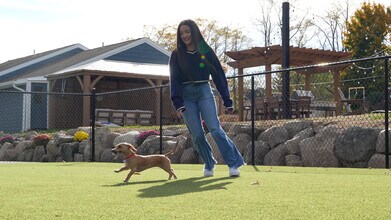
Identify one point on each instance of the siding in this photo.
(39, 106)
(11, 112)
(143, 53)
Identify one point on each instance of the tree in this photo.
(165, 36)
(366, 36)
(220, 38)
(299, 23)
(264, 23)
(367, 30)
(330, 27)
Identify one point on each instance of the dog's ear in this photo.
(132, 148)
(119, 145)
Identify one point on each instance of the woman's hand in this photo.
(180, 111)
(179, 114)
(229, 110)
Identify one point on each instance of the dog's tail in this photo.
(173, 151)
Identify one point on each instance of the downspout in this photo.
(15, 87)
(24, 122)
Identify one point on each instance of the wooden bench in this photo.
(124, 117)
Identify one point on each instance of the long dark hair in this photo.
(201, 46)
(196, 36)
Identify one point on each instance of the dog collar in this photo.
(129, 156)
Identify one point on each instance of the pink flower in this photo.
(7, 138)
(143, 135)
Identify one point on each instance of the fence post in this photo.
(252, 121)
(286, 107)
(161, 120)
(386, 112)
(92, 123)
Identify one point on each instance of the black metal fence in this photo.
(307, 128)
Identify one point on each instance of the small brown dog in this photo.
(137, 163)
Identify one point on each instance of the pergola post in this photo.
(337, 97)
(51, 105)
(240, 95)
(158, 101)
(268, 79)
(307, 82)
(86, 99)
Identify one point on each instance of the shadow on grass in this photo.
(134, 183)
(256, 168)
(191, 185)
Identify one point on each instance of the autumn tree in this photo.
(165, 36)
(367, 30)
(220, 38)
(366, 36)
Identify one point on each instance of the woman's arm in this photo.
(219, 79)
(176, 87)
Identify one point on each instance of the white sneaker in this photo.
(234, 172)
(208, 173)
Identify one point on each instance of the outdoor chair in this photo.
(260, 108)
(274, 108)
(349, 103)
(304, 106)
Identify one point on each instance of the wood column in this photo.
(51, 106)
(240, 95)
(307, 82)
(337, 97)
(158, 101)
(268, 81)
(86, 99)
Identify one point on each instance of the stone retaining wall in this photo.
(298, 143)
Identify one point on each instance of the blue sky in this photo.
(41, 25)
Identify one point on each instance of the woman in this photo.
(191, 64)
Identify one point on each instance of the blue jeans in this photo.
(200, 104)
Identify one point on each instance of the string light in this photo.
(331, 83)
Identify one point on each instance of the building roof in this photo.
(74, 60)
(117, 68)
(15, 62)
(22, 67)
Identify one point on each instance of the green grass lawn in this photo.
(94, 191)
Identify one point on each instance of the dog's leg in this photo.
(172, 173)
(121, 169)
(166, 166)
(129, 175)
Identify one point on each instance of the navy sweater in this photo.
(199, 68)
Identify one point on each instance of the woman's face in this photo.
(185, 33)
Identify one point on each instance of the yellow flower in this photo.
(80, 135)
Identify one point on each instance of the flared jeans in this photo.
(201, 105)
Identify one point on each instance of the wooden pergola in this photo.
(272, 55)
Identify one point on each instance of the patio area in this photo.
(272, 55)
